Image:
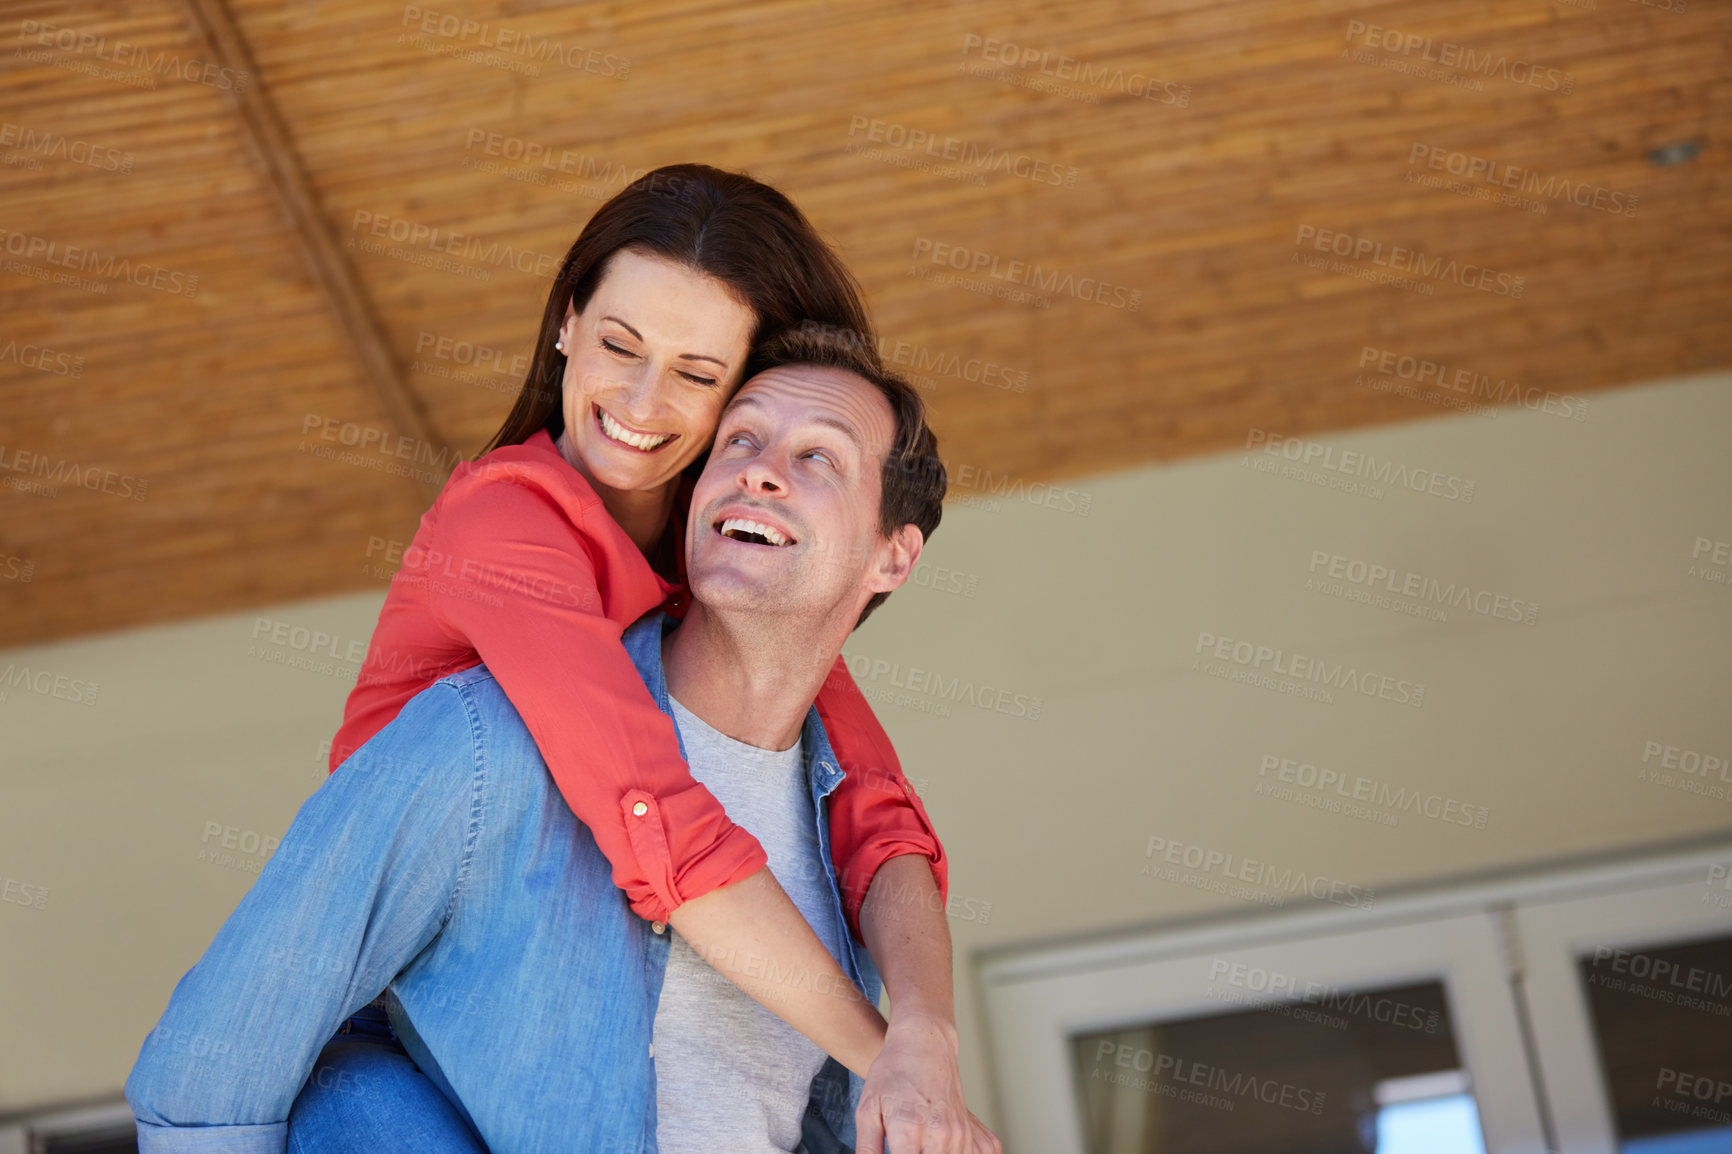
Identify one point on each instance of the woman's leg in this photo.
(366, 1096)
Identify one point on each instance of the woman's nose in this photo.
(639, 393)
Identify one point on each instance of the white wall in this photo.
(1046, 818)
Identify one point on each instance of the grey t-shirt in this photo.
(730, 1075)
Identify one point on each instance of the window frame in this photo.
(1656, 913)
(1469, 936)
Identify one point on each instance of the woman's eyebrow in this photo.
(682, 356)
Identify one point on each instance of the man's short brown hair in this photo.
(913, 478)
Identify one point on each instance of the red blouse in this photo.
(519, 565)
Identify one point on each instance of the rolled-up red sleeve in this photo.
(510, 567)
(875, 814)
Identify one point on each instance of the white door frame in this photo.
(1553, 934)
(1036, 1000)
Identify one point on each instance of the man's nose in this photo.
(763, 474)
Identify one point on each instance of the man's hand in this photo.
(913, 1095)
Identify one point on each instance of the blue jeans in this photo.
(367, 1096)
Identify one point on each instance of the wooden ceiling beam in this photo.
(263, 130)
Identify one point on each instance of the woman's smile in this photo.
(621, 433)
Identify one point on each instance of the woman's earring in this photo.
(559, 344)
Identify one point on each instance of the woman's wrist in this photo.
(865, 1040)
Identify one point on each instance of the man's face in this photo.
(785, 516)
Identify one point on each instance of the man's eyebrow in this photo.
(843, 427)
(837, 423)
(683, 356)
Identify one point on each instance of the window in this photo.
(1631, 997)
(95, 1130)
(1427, 1114)
(1587, 1012)
(1316, 1073)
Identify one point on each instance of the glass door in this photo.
(1335, 1069)
(1631, 998)
(1394, 1037)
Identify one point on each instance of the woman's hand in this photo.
(913, 1095)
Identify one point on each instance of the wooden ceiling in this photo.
(162, 443)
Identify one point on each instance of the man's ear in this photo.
(897, 556)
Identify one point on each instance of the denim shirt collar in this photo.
(643, 643)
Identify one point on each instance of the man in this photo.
(550, 1017)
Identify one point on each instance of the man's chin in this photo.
(726, 587)
(733, 590)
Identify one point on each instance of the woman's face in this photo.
(649, 363)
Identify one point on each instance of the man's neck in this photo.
(752, 678)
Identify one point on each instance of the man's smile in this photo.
(753, 528)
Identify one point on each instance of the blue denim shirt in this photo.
(441, 863)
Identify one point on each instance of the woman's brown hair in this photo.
(725, 225)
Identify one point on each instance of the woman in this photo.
(568, 528)
(535, 557)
